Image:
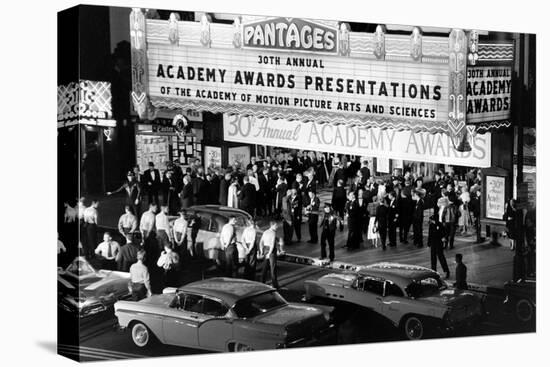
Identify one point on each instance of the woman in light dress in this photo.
(179, 234)
(232, 199)
(372, 233)
(464, 219)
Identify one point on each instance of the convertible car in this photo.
(224, 314)
(85, 291)
(412, 298)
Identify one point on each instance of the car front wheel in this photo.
(242, 348)
(141, 336)
(413, 328)
(524, 310)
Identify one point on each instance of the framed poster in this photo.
(212, 158)
(495, 196)
(239, 155)
(382, 165)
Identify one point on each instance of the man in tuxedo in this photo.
(393, 219)
(247, 196)
(405, 208)
(363, 212)
(418, 218)
(263, 181)
(381, 222)
(354, 222)
(339, 201)
(436, 234)
(186, 194)
(365, 173)
(296, 212)
(313, 216)
(224, 188)
(169, 193)
(328, 232)
(152, 182)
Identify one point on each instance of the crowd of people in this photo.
(377, 211)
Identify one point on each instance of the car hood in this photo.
(290, 314)
(451, 298)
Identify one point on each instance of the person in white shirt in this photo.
(162, 224)
(139, 285)
(147, 222)
(268, 251)
(232, 197)
(253, 179)
(249, 255)
(109, 250)
(179, 233)
(127, 222)
(227, 240)
(90, 222)
(70, 213)
(169, 261)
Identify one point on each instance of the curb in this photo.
(339, 265)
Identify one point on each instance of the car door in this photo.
(370, 292)
(217, 328)
(181, 321)
(391, 305)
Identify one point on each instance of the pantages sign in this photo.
(290, 34)
(356, 140)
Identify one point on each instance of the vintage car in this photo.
(211, 220)
(412, 298)
(224, 314)
(85, 291)
(521, 299)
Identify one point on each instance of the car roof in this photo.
(219, 209)
(400, 274)
(229, 290)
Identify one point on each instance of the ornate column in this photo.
(458, 49)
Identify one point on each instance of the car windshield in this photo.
(425, 287)
(80, 266)
(257, 305)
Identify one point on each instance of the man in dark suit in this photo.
(354, 222)
(312, 209)
(186, 194)
(365, 173)
(212, 188)
(200, 188)
(263, 182)
(340, 174)
(152, 182)
(418, 219)
(436, 233)
(328, 232)
(128, 253)
(296, 212)
(363, 204)
(339, 201)
(169, 193)
(381, 222)
(247, 196)
(393, 219)
(224, 188)
(460, 273)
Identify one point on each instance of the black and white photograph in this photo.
(232, 179)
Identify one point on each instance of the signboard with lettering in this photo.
(356, 140)
(84, 101)
(239, 155)
(212, 158)
(495, 197)
(299, 86)
(290, 34)
(488, 93)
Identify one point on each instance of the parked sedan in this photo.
(412, 298)
(85, 291)
(224, 314)
(211, 219)
(521, 299)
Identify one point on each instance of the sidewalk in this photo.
(487, 264)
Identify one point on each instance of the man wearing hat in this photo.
(328, 232)
(133, 193)
(152, 181)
